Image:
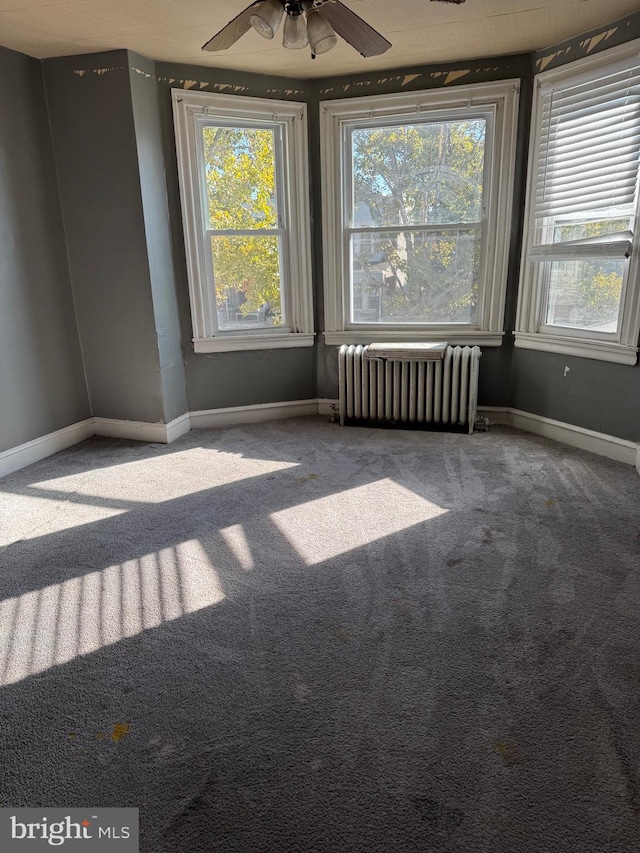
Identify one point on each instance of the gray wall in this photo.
(42, 385)
(593, 394)
(146, 116)
(233, 378)
(93, 128)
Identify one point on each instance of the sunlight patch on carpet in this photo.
(51, 626)
(154, 480)
(321, 529)
(236, 541)
(30, 516)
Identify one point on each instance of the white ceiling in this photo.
(421, 31)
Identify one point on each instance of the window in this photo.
(416, 204)
(579, 282)
(243, 171)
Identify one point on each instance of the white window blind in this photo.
(589, 145)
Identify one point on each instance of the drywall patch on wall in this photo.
(140, 71)
(409, 78)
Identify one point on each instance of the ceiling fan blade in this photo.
(355, 31)
(231, 33)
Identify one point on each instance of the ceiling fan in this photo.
(316, 23)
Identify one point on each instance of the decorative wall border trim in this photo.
(19, 457)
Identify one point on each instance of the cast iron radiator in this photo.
(409, 383)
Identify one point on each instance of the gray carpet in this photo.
(301, 637)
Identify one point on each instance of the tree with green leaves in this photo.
(422, 174)
(241, 196)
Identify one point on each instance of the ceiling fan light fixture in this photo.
(294, 33)
(320, 32)
(267, 17)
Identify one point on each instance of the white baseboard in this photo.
(142, 430)
(496, 414)
(576, 436)
(328, 407)
(179, 426)
(135, 430)
(33, 451)
(19, 457)
(207, 418)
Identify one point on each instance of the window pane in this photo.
(246, 272)
(585, 294)
(415, 277)
(418, 174)
(240, 177)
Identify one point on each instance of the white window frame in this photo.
(191, 110)
(499, 100)
(532, 332)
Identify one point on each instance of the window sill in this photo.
(457, 337)
(242, 343)
(581, 347)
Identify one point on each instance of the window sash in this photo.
(576, 249)
(281, 214)
(192, 106)
(433, 117)
(350, 296)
